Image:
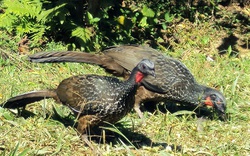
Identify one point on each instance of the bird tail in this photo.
(106, 62)
(65, 56)
(30, 97)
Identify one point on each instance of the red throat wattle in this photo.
(138, 77)
(208, 102)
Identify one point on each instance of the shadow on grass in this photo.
(105, 135)
(139, 140)
(238, 23)
(174, 107)
(230, 40)
(118, 134)
(125, 136)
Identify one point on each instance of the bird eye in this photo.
(143, 66)
(213, 96)
(215, 99)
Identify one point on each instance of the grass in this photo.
(48, 129)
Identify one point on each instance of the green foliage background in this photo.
(110, 23)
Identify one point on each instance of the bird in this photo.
(94, 99)
(174, 82)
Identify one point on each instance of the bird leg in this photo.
(84, 125)
(86, 122)
(139, 98)
(137, 106)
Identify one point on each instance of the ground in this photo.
(217, 55)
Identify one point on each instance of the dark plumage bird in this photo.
(93, 98)
(173, 79)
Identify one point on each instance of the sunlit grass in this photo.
(49, 131)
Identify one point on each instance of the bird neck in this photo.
(194, 94)
(136, 76)
(139, 76)
(203, 95)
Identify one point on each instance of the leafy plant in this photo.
(43, 20)
(115, 23)
(24, 17)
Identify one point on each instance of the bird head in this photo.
(215, 99)
(145, 67)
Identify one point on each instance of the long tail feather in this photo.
(107, 62)
(65, 56)
(30, 97)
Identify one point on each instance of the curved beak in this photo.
(152, 72)
(221, 109)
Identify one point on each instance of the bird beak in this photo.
(152, 72)
(221, 109)
(223, 117)
(219, 105)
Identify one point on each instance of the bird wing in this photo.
(170, 72)
(128, 56)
